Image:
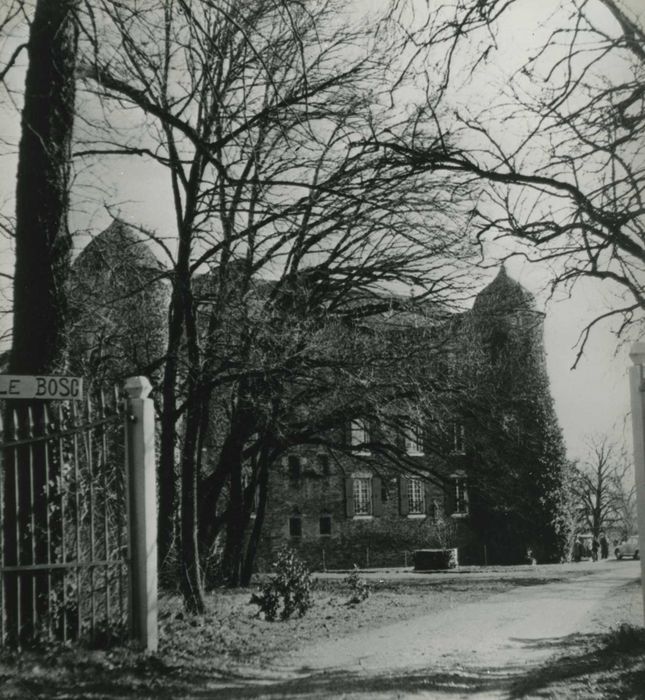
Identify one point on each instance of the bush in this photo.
(626, 638)
(359, 588)
(288, 592)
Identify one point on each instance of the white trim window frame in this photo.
(362, 495)
(414, 441)
(416, 498)
(458, 438)
(359, 436)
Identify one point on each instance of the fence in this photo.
(78, 556)
(64, 554)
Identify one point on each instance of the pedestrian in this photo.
(595, 546)
(604, 546)
(530, 559)
(577, 549)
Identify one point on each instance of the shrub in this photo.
(359, 588)
(626, 638)
(288, 592)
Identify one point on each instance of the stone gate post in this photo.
(637, 390)
(142, 511)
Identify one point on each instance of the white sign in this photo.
(22, 386)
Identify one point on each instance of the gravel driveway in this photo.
(517, 627)
(498, 638)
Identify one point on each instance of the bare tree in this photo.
(14, 21)
(256, 110)
(563, 163)
(604, 495)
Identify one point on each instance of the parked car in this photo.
(628, 548)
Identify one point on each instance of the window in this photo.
(323, 464)
(359, 435)
(414, 441)
(294, 467)
(325, 525)
(458, 438)
(295, 525)
(461, 495)
(362, 495)
(416, 497)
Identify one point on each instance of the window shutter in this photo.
(403, 496)
(399, 438)
(450, 500)
(349, 497)
(425, 439)
(377, 501)
(373, 430)
(429, 501)
(347, 433)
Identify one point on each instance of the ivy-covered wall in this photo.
(517, 449)
(512, 462)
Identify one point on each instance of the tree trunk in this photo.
(212, 486)
(254, 537)
(43, 243)
(167, 480)
(191, 582)
(235, 526)
(43, 246)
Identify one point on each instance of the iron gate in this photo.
(64, 570)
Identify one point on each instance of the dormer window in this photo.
(414, 440)
(458, 438)
(359, 435)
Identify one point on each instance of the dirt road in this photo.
(517, 627)
(474, 650)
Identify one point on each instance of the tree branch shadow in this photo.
(613, 664)
(600, 659)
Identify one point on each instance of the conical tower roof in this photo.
(118, 243)
(502, 295)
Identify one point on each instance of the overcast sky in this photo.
(592, 399)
